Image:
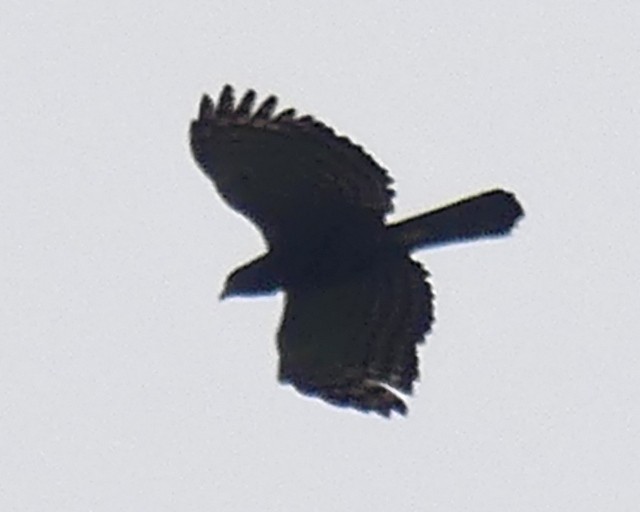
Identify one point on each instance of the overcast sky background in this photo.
(126, 386)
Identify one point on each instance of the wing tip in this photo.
(266, 109)
(207, 108)
(225, 107)
(373, 397)
(246, 103)
(367, 396)
(226, 101)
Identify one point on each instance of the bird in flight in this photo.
(356, 304)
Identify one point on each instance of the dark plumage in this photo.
(356, 303)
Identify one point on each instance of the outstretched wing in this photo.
(287, 173)
(353, 343)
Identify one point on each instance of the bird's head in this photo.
(258, 277)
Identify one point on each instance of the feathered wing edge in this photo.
(366, 179)
(355, 346)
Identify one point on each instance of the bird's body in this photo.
(356, 303)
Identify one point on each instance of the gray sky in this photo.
(125, 385)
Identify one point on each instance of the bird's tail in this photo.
(491, 213)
